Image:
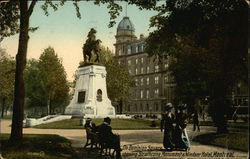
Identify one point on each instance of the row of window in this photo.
(141, 107)
(140, 81)
(135, 48)
(141, 60)
(168, 92)
(145, 94)
(143, 71)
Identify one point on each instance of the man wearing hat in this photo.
(107, 136)
(167, 124)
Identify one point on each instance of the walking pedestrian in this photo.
(167, 124)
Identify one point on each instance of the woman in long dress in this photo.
(167, 124)
(180, 132)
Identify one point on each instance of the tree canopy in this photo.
(14, 17)
(52, 80)
(208, 42)
(7, 74)
(118, 79)
(204, 20)
(46, 84)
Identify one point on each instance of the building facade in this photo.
(154, 87)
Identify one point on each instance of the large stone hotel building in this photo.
(154, 86)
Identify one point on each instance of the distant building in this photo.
(154, 86)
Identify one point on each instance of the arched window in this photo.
(99, 95)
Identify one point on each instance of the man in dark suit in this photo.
(107, 136)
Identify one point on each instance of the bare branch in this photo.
(32, 5)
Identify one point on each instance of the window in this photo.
(81, 97)
(156, 79)
(136, 71)
(141, 81)
(129, 50)
(156, 92)
(166, 79)
(147, 107)
(129, 62)
(128, 108)
(136, 82)
(136, 61)
(156, 68)
(141, 94)
(147, 80)
(129, 71)
(142, 60)
(136, 49)
(99, 95)
(156, 107)
(147, 94)
(165, 92)
(165, 65)
(119, 52)
(147, 69)
(141, 107)
(142, 70)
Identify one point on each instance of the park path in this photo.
(139, 143)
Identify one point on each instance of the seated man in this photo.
(107, 136)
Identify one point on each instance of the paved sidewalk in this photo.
(142, 143)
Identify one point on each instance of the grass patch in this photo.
(7, 117)
(116, 124)
(124, 124)
(38, 147)
(236, 141)
(241, 125)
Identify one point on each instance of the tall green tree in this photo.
(53, 81)
(15, 16)
(212, 29)
(33, 95)
(118, 79)
(7, 74)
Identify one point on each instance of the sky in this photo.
(63, 31)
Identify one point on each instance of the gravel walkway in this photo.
(142, 143)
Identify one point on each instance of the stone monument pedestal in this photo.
(90, 97)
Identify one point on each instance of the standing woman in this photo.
(181, 137)
(167, 124)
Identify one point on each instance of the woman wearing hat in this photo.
(180, 134)
(167, 124)
(90, 131)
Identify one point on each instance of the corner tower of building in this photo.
(124, 35)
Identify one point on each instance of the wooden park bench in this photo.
(94, 139)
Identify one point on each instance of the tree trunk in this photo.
(48, 107)
(3, 106)
(220, 107)
(19, 92)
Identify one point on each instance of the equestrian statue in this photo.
(91, 46)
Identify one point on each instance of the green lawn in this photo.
(237, 141)
(38, 147)
(242, 125)
(125, 124)
(6, 117)
(116, 124)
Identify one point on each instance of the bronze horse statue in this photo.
(91, 46)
